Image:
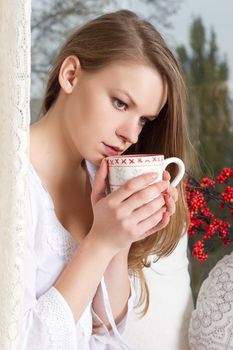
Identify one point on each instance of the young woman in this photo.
(114, 84)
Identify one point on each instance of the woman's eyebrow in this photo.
(134, 103)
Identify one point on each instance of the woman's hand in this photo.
(132, 212)
(170, 197)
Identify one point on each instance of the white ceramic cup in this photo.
(125, 167)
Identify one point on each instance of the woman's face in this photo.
(110, 107)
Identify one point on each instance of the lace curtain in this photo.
(15, 62)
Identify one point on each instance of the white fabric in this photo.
(165, 326)
(48, 321)
(211, 323)
(15, 39)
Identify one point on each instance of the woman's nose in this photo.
(129, 132)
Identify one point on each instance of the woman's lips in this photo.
(111, 151)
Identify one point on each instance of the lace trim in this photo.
(58, 318)
(15, 59)
(59, 239)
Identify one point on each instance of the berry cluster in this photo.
(225, 174)
(205, 220)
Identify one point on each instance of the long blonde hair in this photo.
(125, 36)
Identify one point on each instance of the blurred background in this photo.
(199, 33)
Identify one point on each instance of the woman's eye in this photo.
(146, 121)
(119, 104)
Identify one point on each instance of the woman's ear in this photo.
(68, 74)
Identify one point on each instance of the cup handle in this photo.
(181, 170)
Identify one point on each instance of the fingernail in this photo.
(165, 171)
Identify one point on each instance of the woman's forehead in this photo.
(139, 81)
(131, 75)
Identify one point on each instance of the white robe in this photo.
(48, 321)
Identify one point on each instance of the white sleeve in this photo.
(49, 324)
(105, 339)
(165, 326)
(48, 321)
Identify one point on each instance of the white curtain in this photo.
(15, 63)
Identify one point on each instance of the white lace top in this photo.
(48, 321)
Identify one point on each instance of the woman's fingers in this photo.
(148, 209)
(172, 191)
(98, 189)
(170, 204)
(152, 221)
(149, 204)
(166, 176)
(138, 191)
(162, 224)
(145, 196)
(170, 197)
